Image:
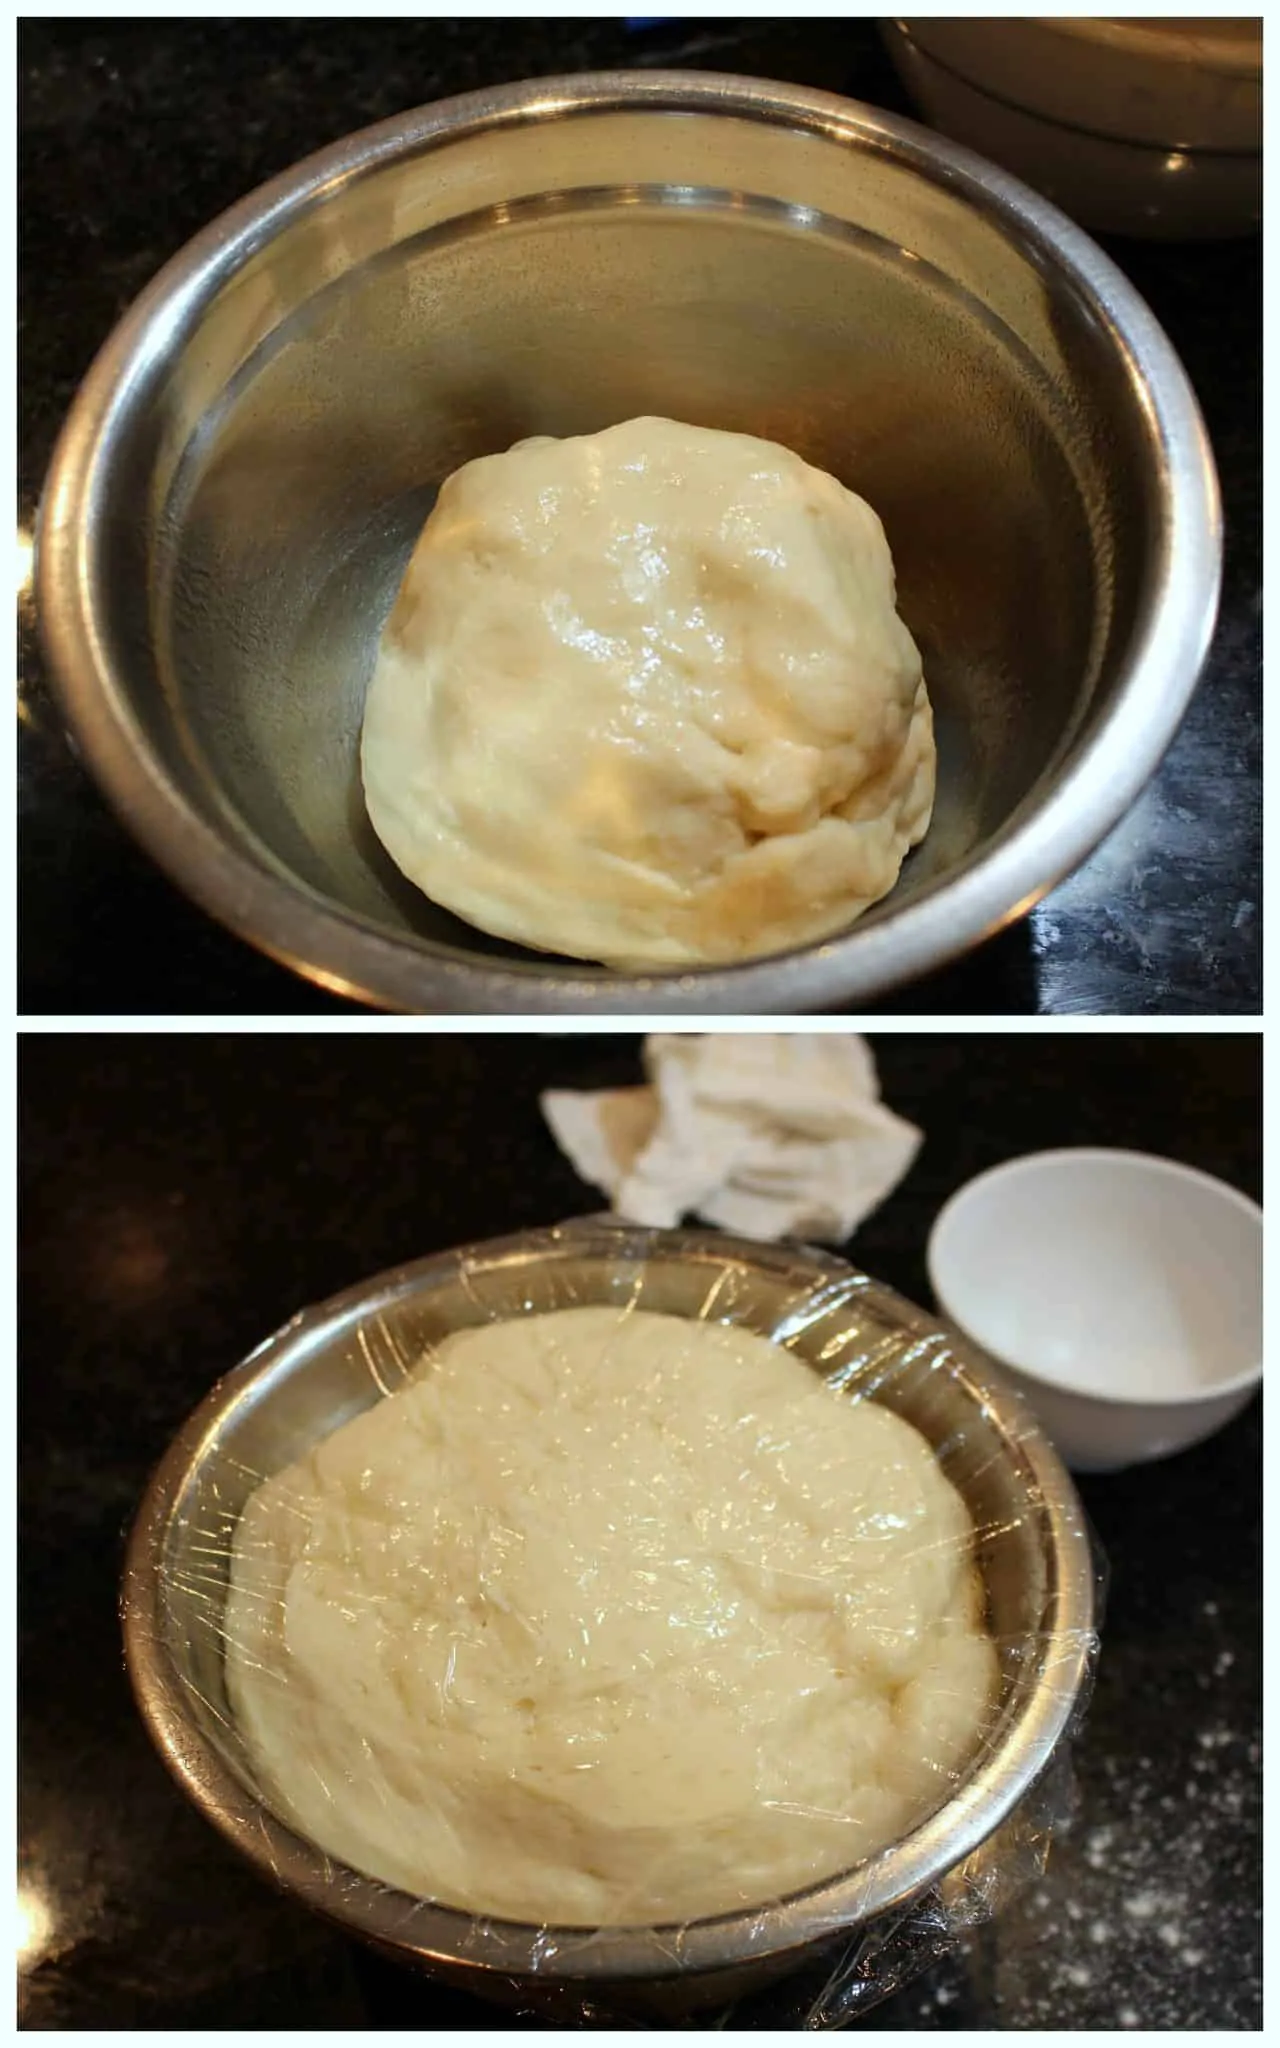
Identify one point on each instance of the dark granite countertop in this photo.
(183, 1196)
(135, 133)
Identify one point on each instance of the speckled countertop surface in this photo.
(183, 1196)
(134, 134)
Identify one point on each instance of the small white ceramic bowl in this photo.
(1122, 1293)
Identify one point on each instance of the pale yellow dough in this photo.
(644, 698)
(608, 1618)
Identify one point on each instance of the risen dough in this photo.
(608, 1618)
(644, 698)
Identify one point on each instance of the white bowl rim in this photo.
(1175, 1169)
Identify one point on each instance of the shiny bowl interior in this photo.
(335, 1360)
(240, 483)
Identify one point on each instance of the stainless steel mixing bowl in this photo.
(335, 1360)
(242, 476)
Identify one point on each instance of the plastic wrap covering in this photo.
(440, 1612)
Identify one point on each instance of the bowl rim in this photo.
(450, 1936)
(1155, 41)
(1155, 1164)
(353, 956)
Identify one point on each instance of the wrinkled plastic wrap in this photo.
(815, 1957)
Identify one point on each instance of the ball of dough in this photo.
(644, 698)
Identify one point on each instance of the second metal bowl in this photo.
(1032, 1550)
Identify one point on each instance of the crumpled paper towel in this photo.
(766, 1134)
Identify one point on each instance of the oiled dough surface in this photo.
(645, 698)
(608, 1618)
